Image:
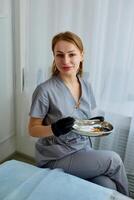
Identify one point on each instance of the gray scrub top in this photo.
(52, 100)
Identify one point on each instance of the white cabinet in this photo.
(7, 128)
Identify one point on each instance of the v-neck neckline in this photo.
(77, 104)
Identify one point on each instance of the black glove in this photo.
(100, 118)
(62, 126)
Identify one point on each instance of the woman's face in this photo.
(67, 57)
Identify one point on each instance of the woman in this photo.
(55, 105)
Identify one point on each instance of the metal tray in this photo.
(92, 128)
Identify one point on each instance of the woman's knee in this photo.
(115, 158)
(115, 164)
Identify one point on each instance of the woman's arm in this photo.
(36, 129)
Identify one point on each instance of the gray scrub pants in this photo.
(101, 167)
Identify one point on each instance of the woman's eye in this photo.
(72, 54)
(60, 55)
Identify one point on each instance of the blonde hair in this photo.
(72, 38)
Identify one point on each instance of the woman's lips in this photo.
(66, 67)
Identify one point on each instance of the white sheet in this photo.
(21, 181)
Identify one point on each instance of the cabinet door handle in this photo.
(23, 80)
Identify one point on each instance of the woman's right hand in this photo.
(62, 126)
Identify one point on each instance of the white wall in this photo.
(7, 129)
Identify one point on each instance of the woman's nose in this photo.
(66, 59)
